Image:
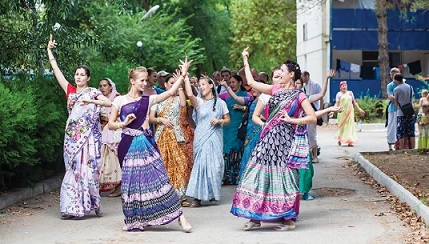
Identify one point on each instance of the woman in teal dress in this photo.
(231, 144)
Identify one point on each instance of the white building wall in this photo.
(313, 53)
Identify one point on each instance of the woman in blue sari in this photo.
(148, 198)
(231, 144)
(210, 114)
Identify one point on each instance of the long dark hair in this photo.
(238, 78)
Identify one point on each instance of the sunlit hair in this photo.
(87, 71)
(210, 81)
(133, 72)
(293, 67)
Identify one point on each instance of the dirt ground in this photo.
(408, 168)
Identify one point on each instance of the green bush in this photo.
(31, 130)
(374, 109)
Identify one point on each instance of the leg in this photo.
(185, 224)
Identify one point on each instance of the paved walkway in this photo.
(349, 218)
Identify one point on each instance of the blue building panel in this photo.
(356, 29)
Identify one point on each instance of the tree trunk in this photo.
(383, 45)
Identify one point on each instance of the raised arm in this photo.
(234, 96)
(172, 91)
(321, 94)
(189, 92)
(264, 88)
(57, 72)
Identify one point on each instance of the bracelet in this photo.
(52, 59)
(102, 104)
(301, 121)
(180, 88)
(244, 108)
(157, 120)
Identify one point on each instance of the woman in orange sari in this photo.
(169, 137)
(346, 120)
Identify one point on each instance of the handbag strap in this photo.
(411, 95)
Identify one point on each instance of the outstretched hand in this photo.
(51, 44)
(185, 66)
(330, 74)
(245, 54)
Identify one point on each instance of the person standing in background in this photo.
(311, 88)
(391, 111)
(110, 171)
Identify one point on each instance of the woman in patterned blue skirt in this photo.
(148, 198)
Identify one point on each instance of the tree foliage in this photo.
(268, 28)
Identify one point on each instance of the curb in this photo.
(395, 188)
(20, 194)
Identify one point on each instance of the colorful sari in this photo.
(147, 196)
(231, 144)
(82, 145)
(346, 120)
(207, 172)
(172, 153)
(268, 189)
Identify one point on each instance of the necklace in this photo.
(133, 96)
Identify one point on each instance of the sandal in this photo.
(250, 225)
(66, 216)
(185, 204)
(99, 213)
(196, 203)
(115, 193)
(284, 226)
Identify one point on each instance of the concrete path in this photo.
(351, 218)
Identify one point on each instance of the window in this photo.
(304, 32)
(370, 58)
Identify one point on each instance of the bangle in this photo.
(157, 120)
(301, 121)
(244, 108)
(52, 59)
(180, 88)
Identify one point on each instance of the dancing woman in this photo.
(210, 114)
(148, 198)
(268, 189)
(82, 142)
(169, 137)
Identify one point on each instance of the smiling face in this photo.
(81, 77)
(234, 84)
(343, 87)
(139, 81)
(105, 88)
(152, 79)
(286, 75)
(205, 87)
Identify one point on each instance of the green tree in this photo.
(268, 28)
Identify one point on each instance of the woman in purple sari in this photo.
(82, 143)
(268, 189)
(148, 198)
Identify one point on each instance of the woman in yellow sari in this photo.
(170, 139)
(346, 120)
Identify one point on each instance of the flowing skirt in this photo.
(110, 172)
(207, 172)
(175, 160)
(147, 196)
(80, 187)
(268, 189)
